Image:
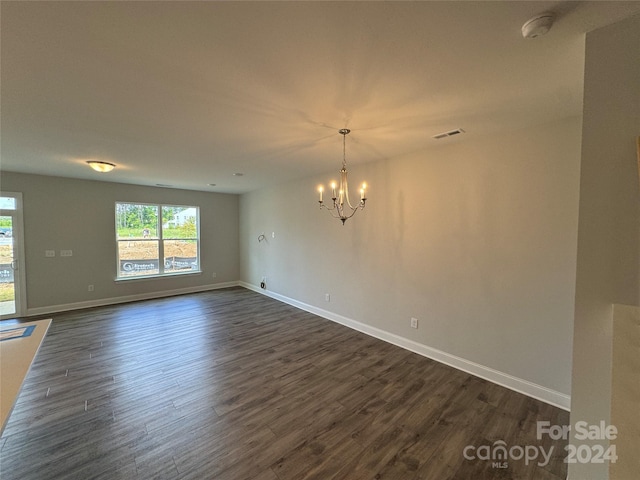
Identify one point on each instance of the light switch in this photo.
(49, 253)
(66, 253)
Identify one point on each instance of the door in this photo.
(11, 259)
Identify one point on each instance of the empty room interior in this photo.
(197, 293)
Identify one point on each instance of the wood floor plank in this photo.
(233, 385)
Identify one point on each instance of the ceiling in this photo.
(188, 93)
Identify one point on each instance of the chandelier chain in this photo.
(344, 148)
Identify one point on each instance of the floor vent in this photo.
(450, 133)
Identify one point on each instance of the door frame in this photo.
(19, 274)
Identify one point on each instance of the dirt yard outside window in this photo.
(148, 249)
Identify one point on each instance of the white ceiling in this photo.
(188, 93)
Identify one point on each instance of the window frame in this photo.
(160, 239)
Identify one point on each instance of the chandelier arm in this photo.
(332, 211)
(349, 213)
(353, 212)
(338, 212)
(344, 184)
(346, 194)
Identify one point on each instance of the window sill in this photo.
(156, 277)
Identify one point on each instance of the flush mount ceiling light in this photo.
(102, 167)
(341, 195)
(537, 26)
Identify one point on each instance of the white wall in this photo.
(608, 267)
(79, 215)
(476, 239)
(625, 391)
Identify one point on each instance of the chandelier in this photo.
(341, 205)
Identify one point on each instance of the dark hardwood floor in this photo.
(231, 384)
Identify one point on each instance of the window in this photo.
(156, 240)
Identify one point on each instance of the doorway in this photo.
(11, 256)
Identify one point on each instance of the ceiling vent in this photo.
(450, 133)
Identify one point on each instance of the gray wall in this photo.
(608, 267)
(79, 215)
(476, 239)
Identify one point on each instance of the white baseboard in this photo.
(101, 302)
(525, 387)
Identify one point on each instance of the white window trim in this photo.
(161, 271)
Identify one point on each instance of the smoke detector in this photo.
(537, 26)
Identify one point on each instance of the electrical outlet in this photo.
(90, 288)
(213, 275)
(414, 322)
(327, 297)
